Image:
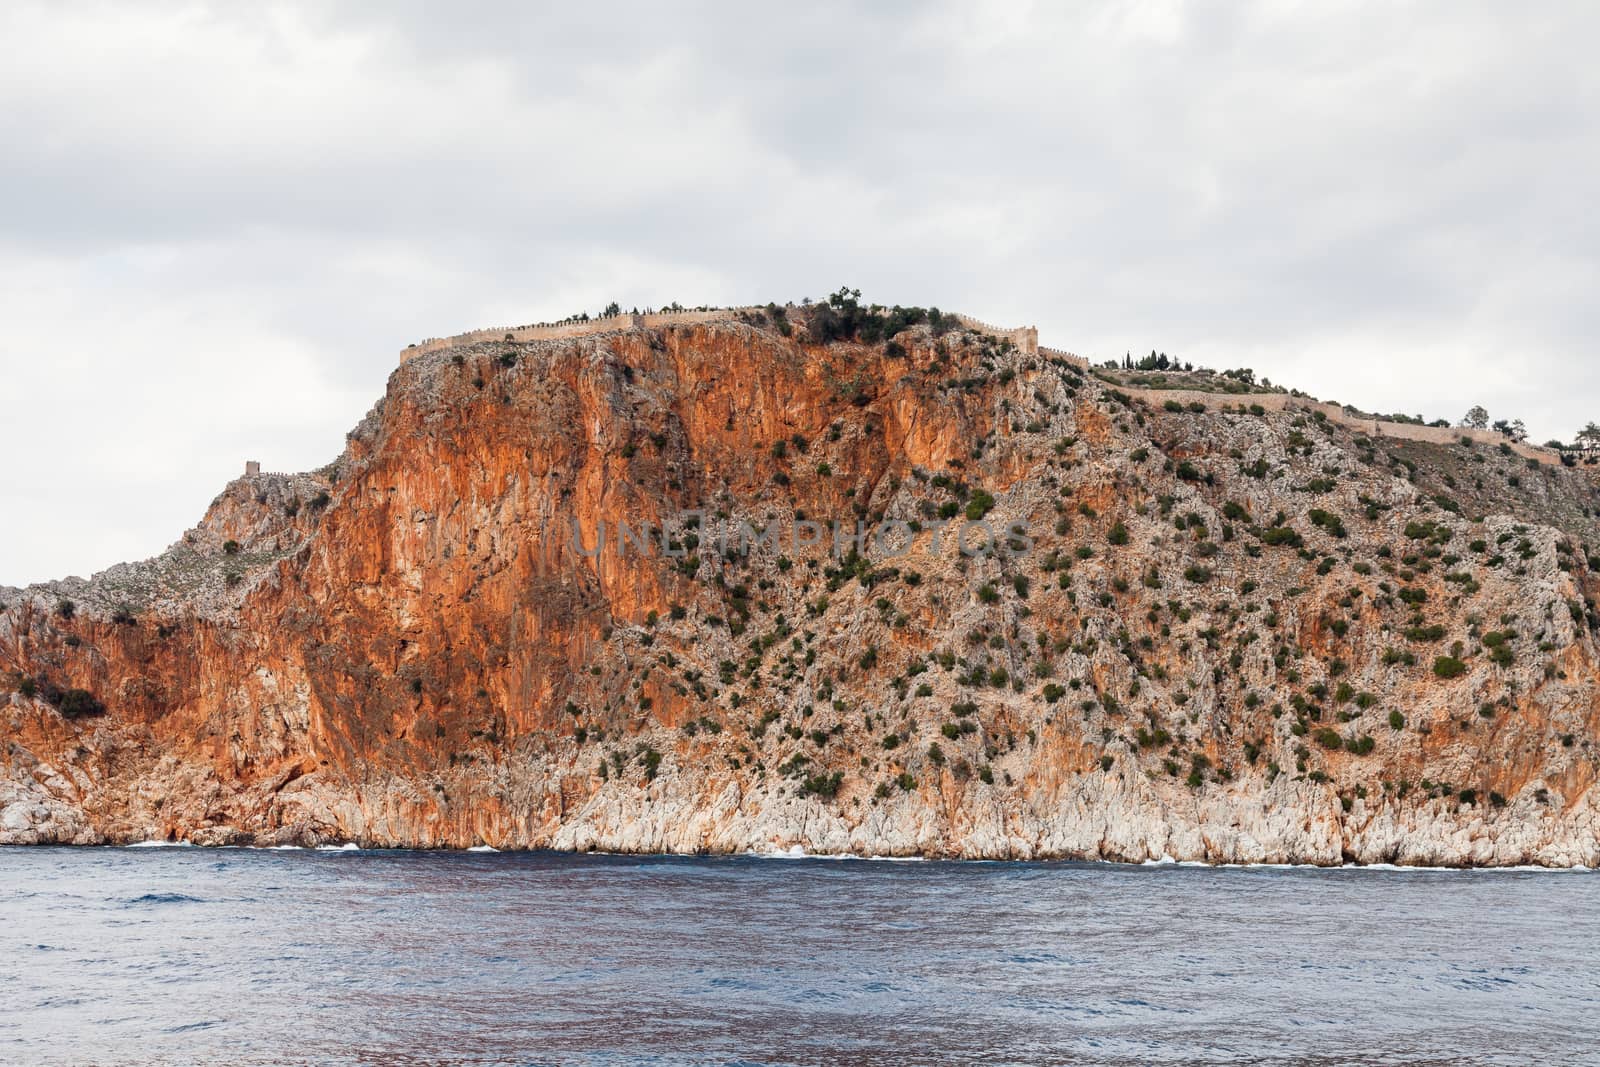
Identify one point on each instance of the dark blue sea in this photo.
(190, 956)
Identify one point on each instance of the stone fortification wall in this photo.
(563, 330)
(1026, 338)
(1377, 428)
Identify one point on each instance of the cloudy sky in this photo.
(220, 223)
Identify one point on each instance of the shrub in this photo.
(1053, 692)
(1329, 522)
(823, 785)
(66, 609)
(1282, 536)
(1397, 721)
(1449, 667)
(979, 505)
(1197, 574)
(1118, 534)
(76, 703)
(1328, 738)
(230, 547)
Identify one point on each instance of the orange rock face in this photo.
(415, 647)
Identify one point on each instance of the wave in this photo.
(164, 898)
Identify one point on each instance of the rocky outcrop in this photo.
(1205, 634)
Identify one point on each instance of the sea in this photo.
(191, 956)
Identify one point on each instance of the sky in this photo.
(219, 224)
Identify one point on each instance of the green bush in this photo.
(1397, 721)
(1449, 667)
(1328, 738)
(1118, 534)
(823, 785)
(1282, 536)
(77, 703)
(1329, 522)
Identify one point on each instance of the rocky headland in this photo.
(1087, 620)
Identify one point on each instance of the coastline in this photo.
(796, 853)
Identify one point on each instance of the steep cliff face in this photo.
(1209, 634)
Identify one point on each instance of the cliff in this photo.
(1216, 632)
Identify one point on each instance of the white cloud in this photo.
(219, 223)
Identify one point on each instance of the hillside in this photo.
(1211, 631)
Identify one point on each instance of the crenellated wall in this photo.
(1378, 428)
(1026, 338)
(563, 330)
(1071, 357)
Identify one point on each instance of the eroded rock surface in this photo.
(1234, 637)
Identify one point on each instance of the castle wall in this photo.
(1071, 357)
(1026, 338)
(1376, 428)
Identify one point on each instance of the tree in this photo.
(1513, 429)
(1589, 436)
(1476, 418)
(612, 308)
